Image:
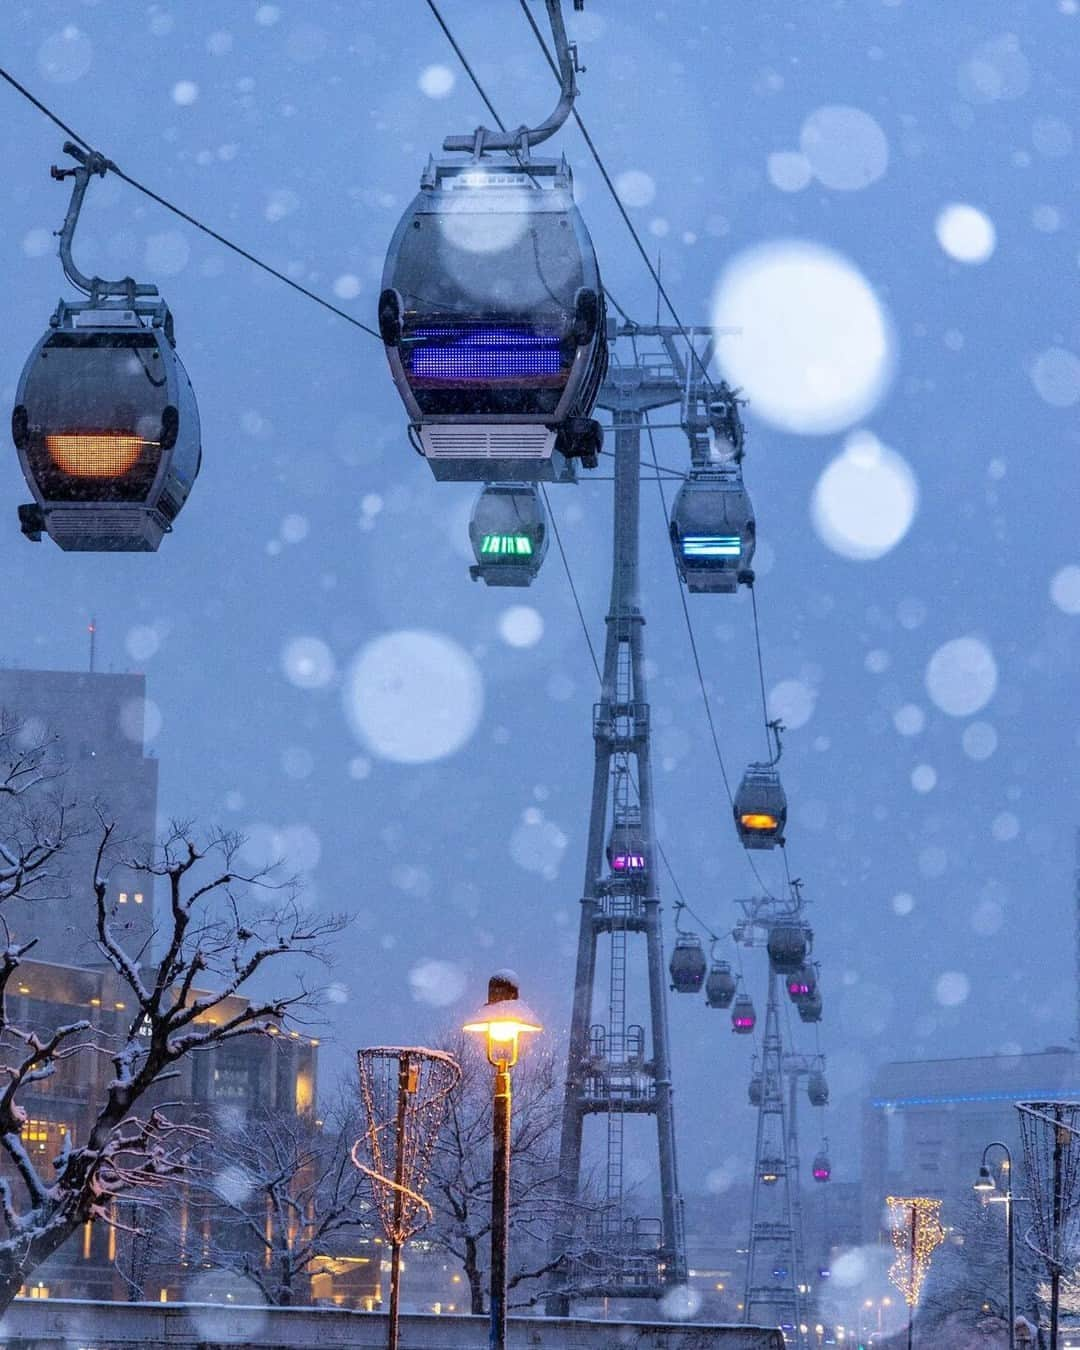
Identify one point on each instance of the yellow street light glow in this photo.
(503, 1023)
(503, 1020)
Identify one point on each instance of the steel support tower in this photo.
(619, 1061)
(775, 1292)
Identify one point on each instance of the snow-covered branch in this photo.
(214, 938)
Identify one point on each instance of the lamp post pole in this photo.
(500, 1203)
(501, 1021)
(986, 1183)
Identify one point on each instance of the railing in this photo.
(75, 1324)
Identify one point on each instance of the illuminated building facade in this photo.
(98, 723)
(926, 1122)
(248, 1073)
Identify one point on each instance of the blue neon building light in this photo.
(1017, 1095)
(711, 546)
(474, 355)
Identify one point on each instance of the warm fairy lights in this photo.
(917, 1231)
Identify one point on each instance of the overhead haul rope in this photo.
(185, 215)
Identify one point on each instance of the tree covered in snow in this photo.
(459, 1188)
(218, 928)
(280, 1190)
(968, 1282)
(35, 819)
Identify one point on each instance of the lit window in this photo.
(123, 897)
(138, 897)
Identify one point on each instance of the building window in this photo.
(232, 1082)
(138, 897)
(41, 1136)
(123, 897)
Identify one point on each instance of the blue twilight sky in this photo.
(933, 827)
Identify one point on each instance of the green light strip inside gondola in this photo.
(506, 546)
(711, 546)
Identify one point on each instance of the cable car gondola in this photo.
(509, 534)
(771, 1171)
(743, 1017)
(822, 1167)
(712, 522)
(817, 1088)
(760, 807)
(713, 531)
(810, 1006)
(719, 985)
(687, 964)
(492, 309)
(802, 983)
(788, 944)
(105, 421)
(626, 853)
(760, 804)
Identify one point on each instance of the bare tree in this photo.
(460, 1184)
(968, 1284)
(221, 927)
(280, 1189)
(35, 820)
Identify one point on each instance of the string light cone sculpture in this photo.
(917, 1232)
(404, 1091)
(1051, 1135)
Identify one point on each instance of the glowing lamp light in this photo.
(628, 862)
(506, 546)
(503, 1020)
(758, 820)
(711, 546)
(798, 987)
(94, 455)
(984, 1181)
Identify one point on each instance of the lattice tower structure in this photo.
(775, 1288)
(619, 1064)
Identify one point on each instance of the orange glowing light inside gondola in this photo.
(758, 821)
(95, 454)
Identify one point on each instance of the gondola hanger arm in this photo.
(89, 163)
(523, 138)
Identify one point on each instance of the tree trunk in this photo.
(475, 1277)
(13, 1274)
(285, 1292)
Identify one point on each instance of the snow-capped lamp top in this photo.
(503, 1019)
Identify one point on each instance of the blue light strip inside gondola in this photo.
(444, 352)
(711, 546)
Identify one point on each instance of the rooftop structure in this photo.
(98, 722)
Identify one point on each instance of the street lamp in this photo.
(502, 1021)
(985, 1185)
